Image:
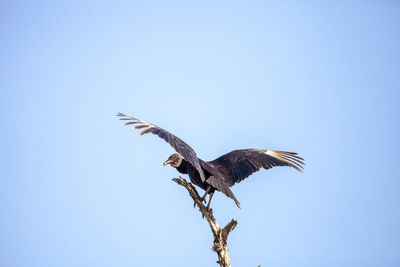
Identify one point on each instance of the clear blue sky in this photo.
(80, 189)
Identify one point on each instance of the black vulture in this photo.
(223, 172)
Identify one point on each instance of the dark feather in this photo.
(131, 122)
(141, 126)
(146, 131)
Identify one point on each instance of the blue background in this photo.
(80, 189)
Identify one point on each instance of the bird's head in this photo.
(175, 160)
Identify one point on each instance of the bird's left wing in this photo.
(239, 164)
(179, 145)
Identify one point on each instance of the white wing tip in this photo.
(289, 158)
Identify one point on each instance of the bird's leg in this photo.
(203, 198)
(209, 200)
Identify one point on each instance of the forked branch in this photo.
(220, 235)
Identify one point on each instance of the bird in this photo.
(222, 173)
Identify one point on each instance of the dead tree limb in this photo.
(220, 235)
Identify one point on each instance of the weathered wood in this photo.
(220, 235)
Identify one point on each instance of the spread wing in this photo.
(240, 164)
(180, 146)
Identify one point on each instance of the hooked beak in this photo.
(168, 162)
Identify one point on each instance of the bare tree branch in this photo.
(220, 235)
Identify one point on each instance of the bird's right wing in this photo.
(180, 146)
(240, 164)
